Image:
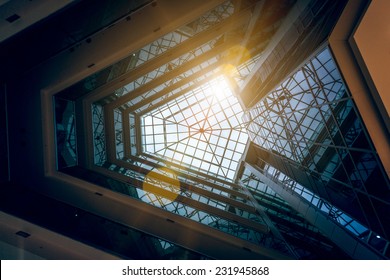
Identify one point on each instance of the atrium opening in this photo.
(210, 129)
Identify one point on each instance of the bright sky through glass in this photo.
(201, 130)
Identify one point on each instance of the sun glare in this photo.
(219, 88)
(199, 130)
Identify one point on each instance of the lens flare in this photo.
(162, 182)
(235, 56)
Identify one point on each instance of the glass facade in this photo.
(306, 240)
(99, 139)
(200, 130)
(310, 131)
(65, 130)
(172, 134)
(161, 188)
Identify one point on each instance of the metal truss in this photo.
(171, 105)
(289, 222)
(287, 188)
(160, 193)
(198, 130)
(310, 122)
(65, 133)
(178, 42)
(118, 125)
(99, 139)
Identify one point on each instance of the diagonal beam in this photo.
(176, 95)
(183, 48)
(126, 128)
(139, 184)
(233, 191)
(249, 30)
(349, 243)
(216, 51)
(191, 188)
(247, 92)
(173, 87)
(268, 221)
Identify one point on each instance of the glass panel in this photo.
(99, 140)
(65, 127)
(199, 127)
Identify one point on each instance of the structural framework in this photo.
(198, 130)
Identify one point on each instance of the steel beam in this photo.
(219, 29)
(261, 228)
(233, 190)
(248, 92)
(217, 50)
(268, 221)
(195, 189)
(171, 88)
(349, 243)
(131, 212)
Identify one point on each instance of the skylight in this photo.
(200, 130)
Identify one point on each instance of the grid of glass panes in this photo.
(278, 209)
(178, 89)
(229, 226)
(201, 130)
(334, 213)
(244, 69)
(194, 180)
(166, 179)
(167, 67)
(264, 193)
(219, 187)
(99, 140)
(216, 15)
(118, 134)
(149, 160)
(311, 119)
(133, 136)
(65, 127)
(153, 95)
(172, 39)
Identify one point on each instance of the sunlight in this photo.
(199, 130)
(219, 88)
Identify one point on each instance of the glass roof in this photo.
(188, 113)
(200, 130)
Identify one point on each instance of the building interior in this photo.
(207, 129)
